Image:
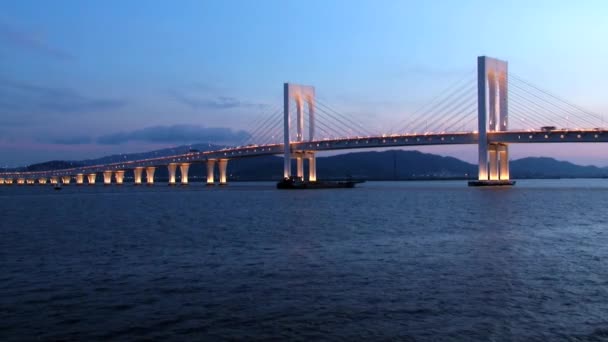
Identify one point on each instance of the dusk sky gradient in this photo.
(84, 79)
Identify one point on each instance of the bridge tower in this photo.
(493, 116)
(299, 94)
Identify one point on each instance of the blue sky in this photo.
(82, 79)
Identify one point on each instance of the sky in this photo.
(84, 79)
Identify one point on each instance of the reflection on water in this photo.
(399, 260)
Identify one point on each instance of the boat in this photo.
(294, 182)
(57, 186)
(503, 182)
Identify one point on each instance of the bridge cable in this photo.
(553, 104)
(260, 127)
(341, 123)
(345, 117)
(596, 115)
(455, 111)
(533, 107)
(430, 109)
(403, 124)
(442, 105)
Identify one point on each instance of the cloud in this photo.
(73, 140)
(176, 134)
(21, 96)
(31, 42)
(216, 102)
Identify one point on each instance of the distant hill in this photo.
(152, 154)
(385, 165)
(54, 165)
(542, 167)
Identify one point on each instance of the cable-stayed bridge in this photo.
(491, 108)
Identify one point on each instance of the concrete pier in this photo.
(222, 165)
(210, 170)
(171, 168)
(183, 169)
(119, 176)
(107, 177)
(137, 175)
(150, 175)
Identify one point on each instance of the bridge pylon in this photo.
(299, 94)
(493, 116)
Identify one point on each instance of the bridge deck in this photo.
(458, 138)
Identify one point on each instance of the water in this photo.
(388, 260)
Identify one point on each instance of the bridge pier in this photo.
(503, 156)
(183, 170)
(312, 168)
(91, 177)
(137, 175)
(20, 181)
(8, 181)
(150, 175)
(172, 167)
(210, 170)
(107, 177)
(119, 176)
(300, 156)
(79, 179)
(41, 181)
(30, 181)
(222, 165)
(54, 180)
(300, 167)
(66, 179)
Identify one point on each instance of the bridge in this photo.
(477, 110)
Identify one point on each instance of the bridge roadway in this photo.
(395, 140)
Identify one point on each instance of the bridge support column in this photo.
(41, 181)
(107, 177)
(91, 177)
(183, 170)
(1, 180)
(8, 181)
(30, 181)
(66, 180)
(119, 176)
(20, 181)
(503, 154)
(300, 94)
(493, 156)
(493, 116)
(54, 180)
(137, 175)
(172, 167)
(222, 165)
(300, 167)
(312, 168)
(210, 170)
(150, 175)
(80, 179)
